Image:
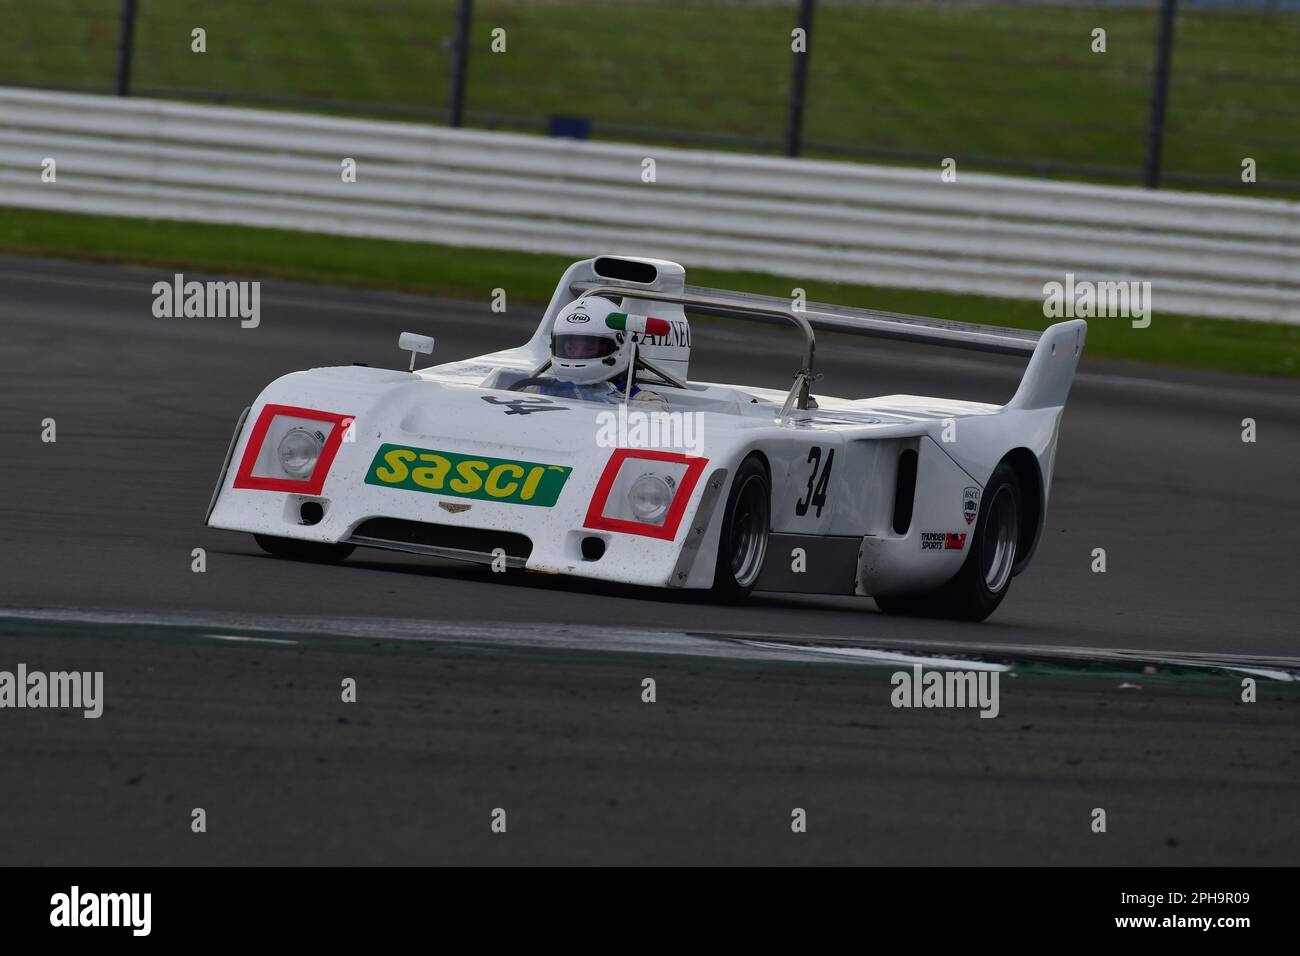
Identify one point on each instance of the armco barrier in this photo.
(994, 235)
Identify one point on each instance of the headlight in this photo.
(299, 450)
(650, 497)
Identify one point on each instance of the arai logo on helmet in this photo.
(578, 318)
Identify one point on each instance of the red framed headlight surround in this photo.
(644, 492)
(300, 431)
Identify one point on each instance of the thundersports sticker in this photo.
(467, 476)
(943, 540)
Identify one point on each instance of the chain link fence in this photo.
(1193, 93)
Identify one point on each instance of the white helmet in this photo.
(583, 347)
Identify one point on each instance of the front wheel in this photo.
(742, 545)
(975, 592)
(319, 552)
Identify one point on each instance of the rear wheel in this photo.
(974, 592)
(742, 546)
(318, 551)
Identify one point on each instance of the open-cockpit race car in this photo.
(589, 452)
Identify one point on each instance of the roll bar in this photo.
(714, 301)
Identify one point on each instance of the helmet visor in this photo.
(582, 346)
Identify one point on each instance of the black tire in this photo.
(975, 591)
(746, 524)
(316, 551)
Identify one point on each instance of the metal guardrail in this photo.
(809, 220)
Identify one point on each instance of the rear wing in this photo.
(888, 325)
(833, 318)
(1054, 353)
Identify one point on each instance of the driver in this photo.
(589, 360)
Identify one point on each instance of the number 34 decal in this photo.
(815, 496)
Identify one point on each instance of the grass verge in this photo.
(1231, 346)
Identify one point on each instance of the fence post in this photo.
(1159, 94)
(459, 62)
(125, 39)
(799, 80)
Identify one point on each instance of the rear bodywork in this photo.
(873, 496)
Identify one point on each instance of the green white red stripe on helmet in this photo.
(648, 324)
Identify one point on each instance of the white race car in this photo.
(928, 505)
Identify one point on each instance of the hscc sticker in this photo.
(467, 476)
(970, 503)
(943, 540)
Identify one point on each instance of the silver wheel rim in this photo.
(998, 546)
(749, 529)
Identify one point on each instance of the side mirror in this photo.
(413, 343)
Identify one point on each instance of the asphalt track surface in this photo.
(476, 692)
